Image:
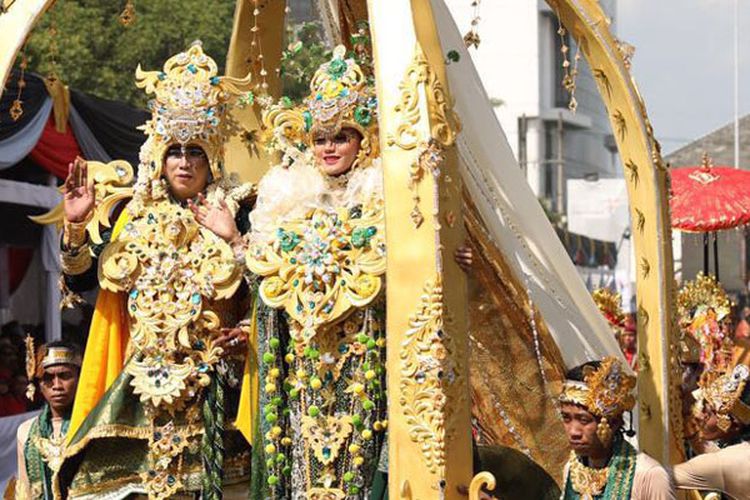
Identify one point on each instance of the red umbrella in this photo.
(707, 198)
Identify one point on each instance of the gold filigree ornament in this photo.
(725, 396)
(326, 435)
(170, 266)
(318, 268)
(113, 183)
(52, 450)
(588, 482)
(425, 374)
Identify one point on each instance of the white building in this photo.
(520, 62)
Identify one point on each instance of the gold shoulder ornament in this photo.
(318, 268)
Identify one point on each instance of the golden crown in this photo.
(606, 391)
(191, 104)
(340, 97)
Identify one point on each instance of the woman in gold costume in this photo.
(164, 358)
(318, 245)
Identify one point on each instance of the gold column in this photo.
(660, 430)
(254, 36)
(428, 393)
(15, 26)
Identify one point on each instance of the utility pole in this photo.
(560, 167)
(522, 147)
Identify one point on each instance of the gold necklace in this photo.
(587, 481)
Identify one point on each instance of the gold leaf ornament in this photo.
(326, 435)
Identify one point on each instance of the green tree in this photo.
(305, 52)
(90, 50)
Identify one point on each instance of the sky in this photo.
(684, 62)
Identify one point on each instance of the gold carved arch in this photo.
(646, 175)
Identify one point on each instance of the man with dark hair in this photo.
(726, 420)
(602, 464)
(41, 439)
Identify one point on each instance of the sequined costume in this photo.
(318, 244)
(155, 409)
(606, 392)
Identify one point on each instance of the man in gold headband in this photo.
(41, 439)
(602, 464)
(726, 420)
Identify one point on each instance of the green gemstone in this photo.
(313, 411)
(268, 357)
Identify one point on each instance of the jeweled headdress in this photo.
(729, 395)
(608, 303)
(37, 360)
(703, 309)
(340, 97)
(191, 104)
(606, 392)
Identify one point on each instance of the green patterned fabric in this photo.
(621, 472)
(37, 470)
(279, 471)
(109, 452)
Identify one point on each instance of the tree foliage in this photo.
(305, 52)
(86, 46)
(90, 50)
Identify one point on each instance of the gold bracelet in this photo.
(76, 261)
(74, 233)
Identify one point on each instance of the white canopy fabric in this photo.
(513, 216)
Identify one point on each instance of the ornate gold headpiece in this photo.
(191, 105)
(340, 97)
(606, 392)
(37, 360)
(703, 309)
(725, 394)
(608, 303)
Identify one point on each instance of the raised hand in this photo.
(79, 198)
(218, 219)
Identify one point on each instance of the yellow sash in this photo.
(106, 348)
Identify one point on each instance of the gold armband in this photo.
(76, 261)
(74, 233)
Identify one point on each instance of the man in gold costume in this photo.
(602, 464)
(41, 439)
(726, 420)
(160, 380)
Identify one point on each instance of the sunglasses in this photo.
(191, 152)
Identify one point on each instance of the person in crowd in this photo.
(629, 342)
(602, 463)
(41, 439)
(726, 421)
(742, 330)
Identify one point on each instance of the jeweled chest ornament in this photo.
(321, 267)
(171, 269)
